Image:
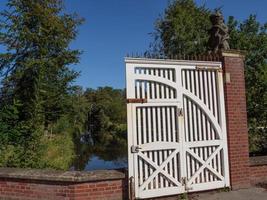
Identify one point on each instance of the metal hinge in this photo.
(136, 100)
(180, 112)
(135, 149)
(201, 67)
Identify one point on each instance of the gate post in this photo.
(236, 118)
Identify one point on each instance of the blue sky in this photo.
(114, 28)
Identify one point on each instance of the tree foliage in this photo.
(107, 114)
(183, 29)
(251, 36)
(105, 134)
(35, 64)
(35, 70)
(43, 116)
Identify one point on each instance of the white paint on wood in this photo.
(173, 146)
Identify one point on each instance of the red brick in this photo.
(236, 118)
(20, 189)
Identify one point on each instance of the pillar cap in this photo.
(233, 53)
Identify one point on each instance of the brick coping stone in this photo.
(61, 176)
(258, 160)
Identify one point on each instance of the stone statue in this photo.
(218, 33)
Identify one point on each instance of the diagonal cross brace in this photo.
(205, 164)
(159, 169)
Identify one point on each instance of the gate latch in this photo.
(185, 184)
(135, 149)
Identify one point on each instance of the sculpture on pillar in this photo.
(219, 36)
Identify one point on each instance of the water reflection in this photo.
(96, 163)
(91, 156)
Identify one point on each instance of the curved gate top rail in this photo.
(177, 138)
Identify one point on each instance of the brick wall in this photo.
(236, 119)
(258, 169)
(25, 189)
(258, 174)
(38, 185)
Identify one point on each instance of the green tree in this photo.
(37, 38)
(9, 135)
(104, 133)
(107, 115)
(251, 36)
(62, 141)
(36, 35)
(17, 144)
(183, 29)
(78, 114)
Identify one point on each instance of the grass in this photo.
(58, 152)
(183, 196)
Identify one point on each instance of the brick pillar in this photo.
(236, 118)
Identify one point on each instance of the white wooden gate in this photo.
(176, 126)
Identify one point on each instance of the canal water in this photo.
(97, 157)
(97, 163)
